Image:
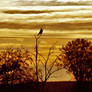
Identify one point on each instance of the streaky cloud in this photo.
(53, 2)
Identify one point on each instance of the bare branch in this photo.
(52, 65)
(53, 72)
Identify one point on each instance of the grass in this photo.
(50, 87)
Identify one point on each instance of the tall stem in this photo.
(37, 59)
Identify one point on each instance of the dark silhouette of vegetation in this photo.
(15, 66)
(77, 57)
(48, 66)
(45, 66)
(19, 66)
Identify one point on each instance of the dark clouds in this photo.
(50, 26)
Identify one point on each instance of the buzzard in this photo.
(40, 32)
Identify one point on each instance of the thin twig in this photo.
(52, 65)
(53, 72)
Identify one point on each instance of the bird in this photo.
(40, 32)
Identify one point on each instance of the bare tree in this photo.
(46, 66)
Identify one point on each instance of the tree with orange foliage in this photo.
(15, 66)
(77, 56)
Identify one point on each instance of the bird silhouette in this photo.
(40, 32)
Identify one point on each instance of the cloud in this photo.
(26, 11)
(9, 3)
(51, 26)
(53, 2)
(9, 44)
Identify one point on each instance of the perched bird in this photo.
(40, 32)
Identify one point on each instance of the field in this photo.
(50, 87)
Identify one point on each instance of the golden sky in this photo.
(20, 20)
